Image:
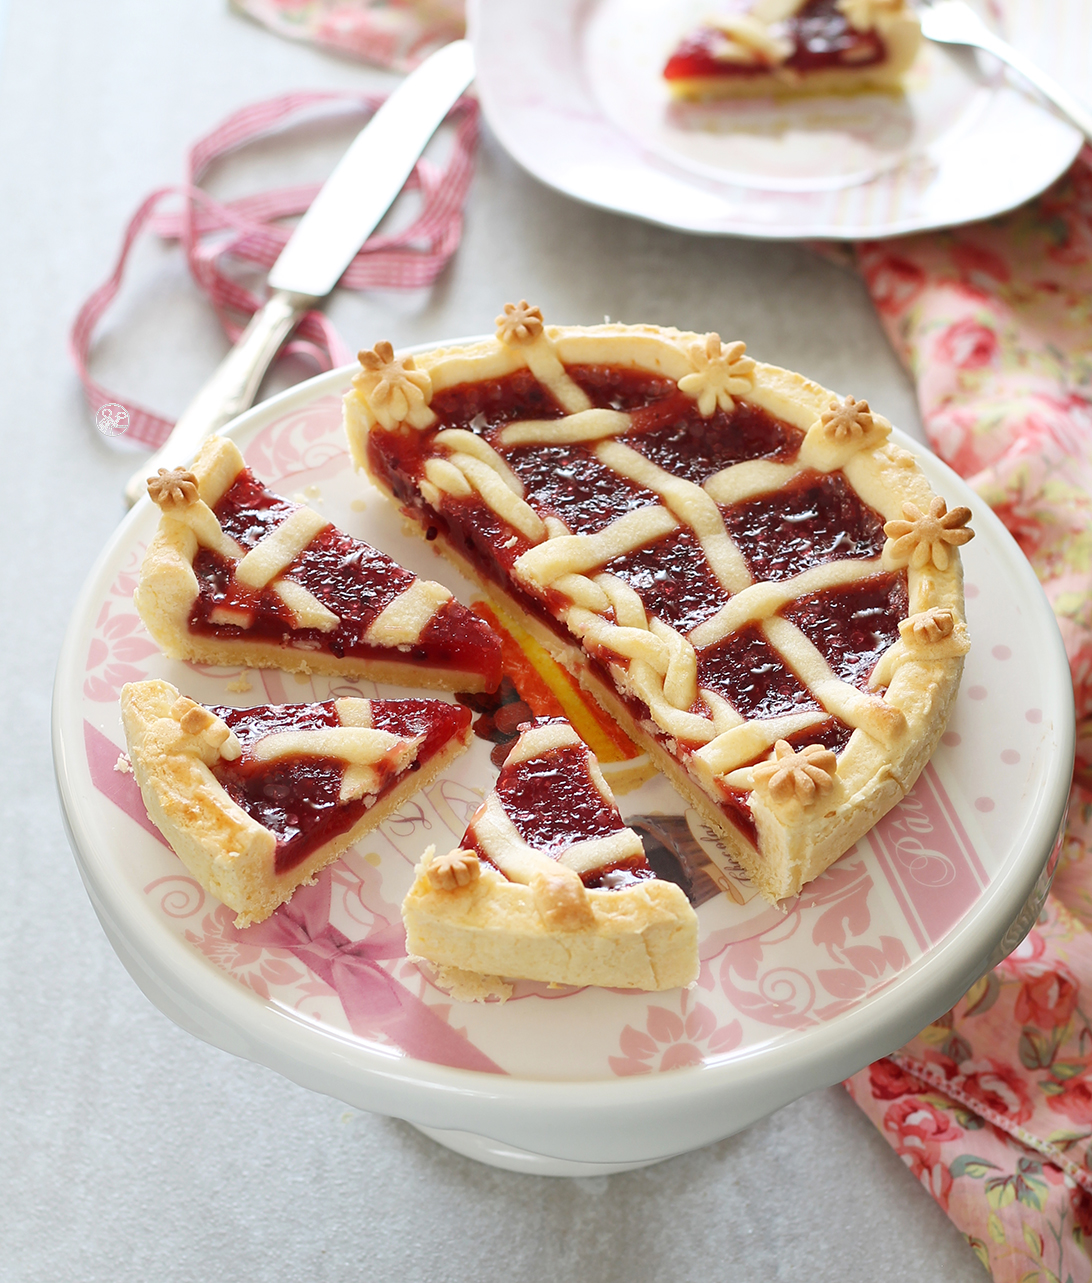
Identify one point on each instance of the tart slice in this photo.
(548, 883)
(757, 47)
(738, 564)
(255, 801)
(238, 575)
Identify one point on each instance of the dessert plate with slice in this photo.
(576, 93)
(567, 1080)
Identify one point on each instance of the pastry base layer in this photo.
(782, 834)
(783, 866)
(644, 936)
(901, 34)
(168, 588)
(230, 854)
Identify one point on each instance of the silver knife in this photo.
(355, 197)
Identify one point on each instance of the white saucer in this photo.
(880, 945)
(573, 90)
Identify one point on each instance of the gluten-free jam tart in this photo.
(755, 47)
(257, 800)
(549, 884)
(738, 564)
(239, 575)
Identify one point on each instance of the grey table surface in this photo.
(129, 1149)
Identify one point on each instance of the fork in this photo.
(952, 22)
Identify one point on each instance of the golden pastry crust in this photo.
(628, 660)
(897, 25)
(636, 938)
(526, 914)
(225, 849)
(168, 589)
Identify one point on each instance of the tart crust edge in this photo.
(167, 590)
(643, 937)
(227, 851)
(900, 32)
(871, 780)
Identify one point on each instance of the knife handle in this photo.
(232, 388)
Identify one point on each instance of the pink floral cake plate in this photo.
(565, 1081)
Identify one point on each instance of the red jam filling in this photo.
(612, 387)
(674, 436)
(673, 580)
(491, 403)
(568, 482)
(833, 734)
(746, 670)
(297, 798)
(851, 627)
(816, 518)
(249, 511)
(554, 804)
(820, 33)
(736, 805)
(354, 580)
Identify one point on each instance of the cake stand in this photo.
(566, 1081)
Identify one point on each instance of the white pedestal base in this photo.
(499, 1154)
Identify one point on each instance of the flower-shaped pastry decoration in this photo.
(195, 719)
(192, 717)
(848, 420)
(862, 14)
(173, 488)
(925, 537)
(931, 626)
(454, 870)
(720, 373)
(805, 775)
(519, 323)
(394, 390)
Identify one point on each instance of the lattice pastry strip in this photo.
(811, 445)
(694, 507)
(336, 770)
(549, 884)
(268, 583)
(760, 48)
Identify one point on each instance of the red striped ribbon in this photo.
(212, 232)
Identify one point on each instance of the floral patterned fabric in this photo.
(391, 33)
(991, 1106)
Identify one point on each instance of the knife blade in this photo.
(341, 217)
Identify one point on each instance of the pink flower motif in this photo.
(918, 1131)
(1047, 1000)
(997, 1086)
(916, 1123)
(113, 655)
(1081, 1202)
(930, 1169)
(674, 1041)
(974, 261)
(888, 1081)
(968, 345)
(1074, 1100)
(219, 941)
(894, 283)
(1030, 949)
